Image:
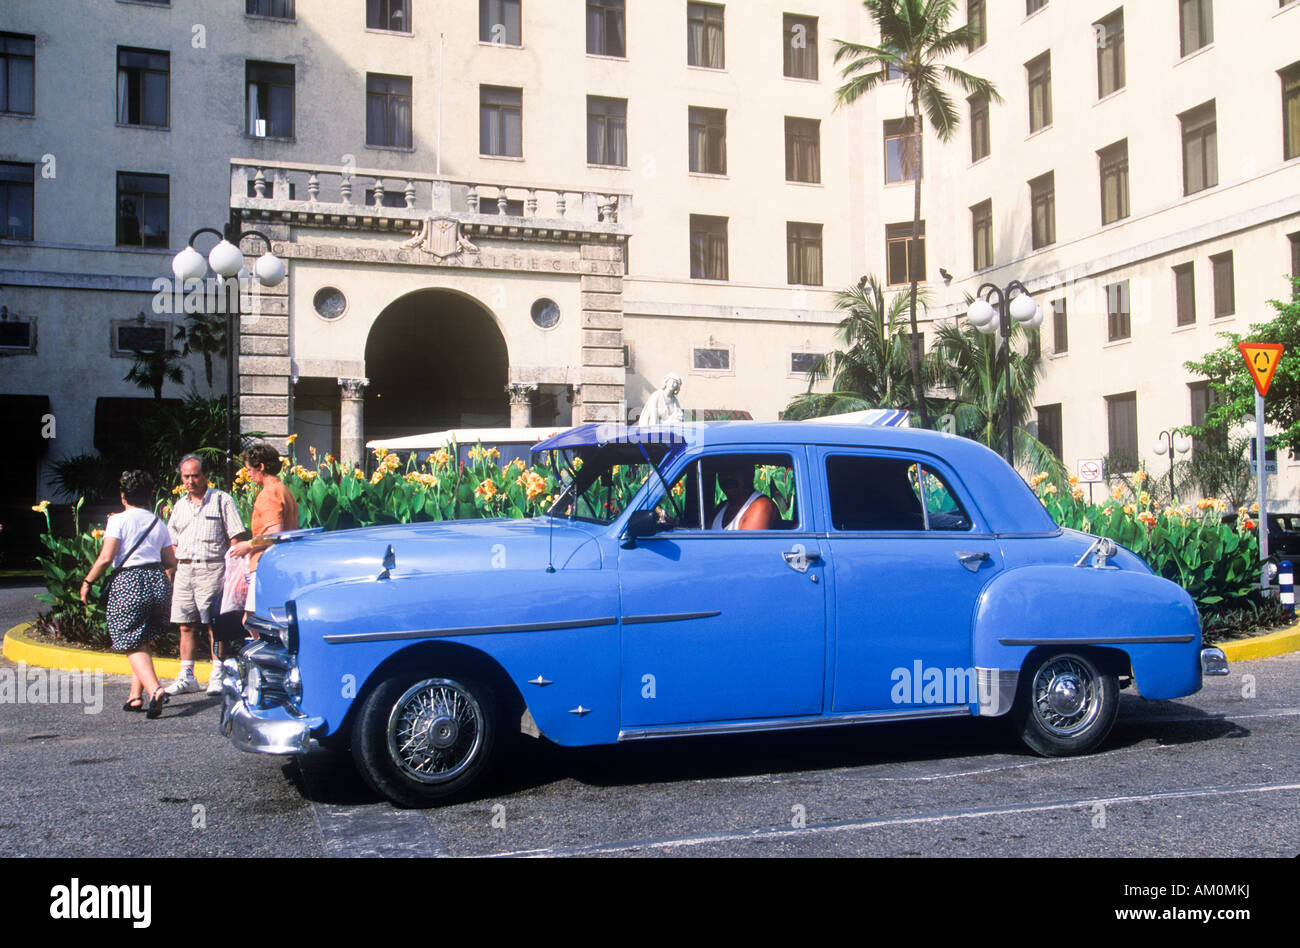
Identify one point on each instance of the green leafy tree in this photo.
(914, 42)
(1235, 389)
(967, 363)
(871, 371)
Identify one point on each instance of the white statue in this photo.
(663, 408)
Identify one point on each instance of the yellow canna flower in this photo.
(1074, 481)
(1140, 476)
(381, 453)
(1118, 492)
(97, 534)
(1144, 498)
(43, 506)
(487, 490)
(1130, 509)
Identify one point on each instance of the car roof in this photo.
(1006, 501)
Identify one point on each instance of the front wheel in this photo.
(425, 742)
(1066, 706)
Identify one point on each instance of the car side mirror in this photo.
(642, 523)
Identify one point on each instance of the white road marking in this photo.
(862, 825)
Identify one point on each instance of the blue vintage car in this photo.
(719, 579)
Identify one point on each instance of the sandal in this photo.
(134, 704)
(160, 698)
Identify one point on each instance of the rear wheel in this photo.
(1066, 705)
(425, 741)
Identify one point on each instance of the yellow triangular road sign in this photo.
(1262, 359)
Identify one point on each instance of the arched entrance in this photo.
(435, 360)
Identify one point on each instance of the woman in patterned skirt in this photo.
(139, 545)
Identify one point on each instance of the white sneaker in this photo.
(214, 681)
(183, 685)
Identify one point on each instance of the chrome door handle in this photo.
(798, 559)
(971, 559)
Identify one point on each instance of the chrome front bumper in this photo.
(1213, 662)
(276, 730)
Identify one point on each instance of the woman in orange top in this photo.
(274, 511)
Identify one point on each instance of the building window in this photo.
(1195, 25)
(1060, 327)
(981, 217)
(1204, 398)
(15, 335)
(1118, 324)
(1042, 193)
(280, 9)
(1290, 112)
(711, 359)
(799, 42)
(1225, 295)
(132, 338)
(1040, 91)
(17, 206)
(606, 131)
(979, 127)
(803, 244)
(142, 87)
(1114, 182)
(1200, 148)
(1033, 6)
(1185, 294)
(143, 209)
(802, 364)
(902, 259)
(391, 15)
(388, 110)
(1110, 53)
(269, 98)
(708, 247)
(1049, 428)
(1121, 425)
(606, 28)
(1295, 256)
(17, 73)
(708, 141)
(977, 22)
(501, 121)
(902, 153)
(803, 150)
(705, 36)
(500, 22)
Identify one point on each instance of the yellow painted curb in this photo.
(1264, 646)
(18, 647)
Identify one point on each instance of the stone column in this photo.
(264, 368)
(603, 376)
(352, 423)
(521, 403)
(575, 405)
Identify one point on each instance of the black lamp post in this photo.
(992, 311)
(1168, 444)
(227, 260)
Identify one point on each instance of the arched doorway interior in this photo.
(435, 360)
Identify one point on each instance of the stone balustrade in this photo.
(348, 196)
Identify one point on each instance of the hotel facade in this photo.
(516, 212)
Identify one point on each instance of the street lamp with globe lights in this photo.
(991, 312)
(1168, 444)
(227, 261)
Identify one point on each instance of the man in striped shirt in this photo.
(203, 523)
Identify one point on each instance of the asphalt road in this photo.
(1216, 774)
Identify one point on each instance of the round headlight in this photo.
(253, 686)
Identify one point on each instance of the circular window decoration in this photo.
(330, 302)
(546, 314)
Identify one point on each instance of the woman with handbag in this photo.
(137, 595)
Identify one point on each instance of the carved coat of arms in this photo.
(441, 237)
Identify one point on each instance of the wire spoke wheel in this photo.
(435, 731)
(1066, 705)
(1066, 698)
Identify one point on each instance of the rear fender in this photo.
(1039, 609)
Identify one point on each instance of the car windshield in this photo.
(600, 482)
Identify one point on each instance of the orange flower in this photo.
(487, 490)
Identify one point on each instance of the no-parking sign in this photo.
(1090, 471)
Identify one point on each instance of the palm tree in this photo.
(914, 39)
(871, 371)
(152, 369)
(206, 335)
(966, 362)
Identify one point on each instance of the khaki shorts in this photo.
(196, 597)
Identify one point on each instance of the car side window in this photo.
(715, 492)
(884, 494)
